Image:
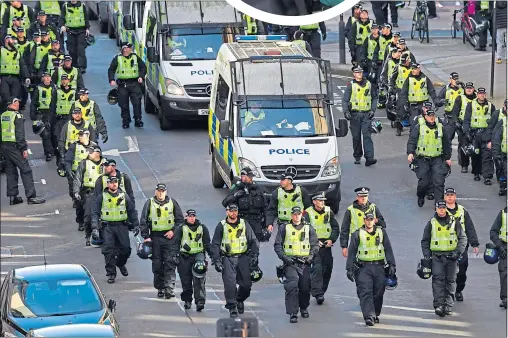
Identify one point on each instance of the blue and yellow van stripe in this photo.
(223, 147)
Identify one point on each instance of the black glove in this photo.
(371, 115)
(239, 194)
(287, 260)
(350, 275)
(77, 197)
(104, 138)
(324, 37)
(218, 266)
(455, 255)
(254, 261)
(502, 252)
(136, 231)
(130, 226)
(469, 138)
(48, 126)
(309, 260)
(392, 270)
(347, 115)
(95, 233)
(176, 259)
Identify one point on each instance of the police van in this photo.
(270, 110)
(180, 41)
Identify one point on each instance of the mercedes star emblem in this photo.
(208, 90)
(292, 171)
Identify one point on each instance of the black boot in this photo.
(36, 200)
(233, 313)
(358, 161)
(138, 123)
(81, 227)
(111, 279)
(463, 170)
(87, 241)
(49, 157)
(459, 297)
(440, 311)
(476, 177)
(370, 161)
(160, 293)
(123, 271)
(240, 307)
(503, 303)
(293, 318)
(187, 305)
(502, 192)
(487, 181)
(320, 299)
(125, 125)
(369, 321)
(376, 320)
(168, 293)
(430, 197)
(421, 201)
(200, 307)
(447, 310)
(304, 313)
(16, 200)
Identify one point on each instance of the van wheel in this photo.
(111, 30)
(164, 123)
(104, 27)
(217, 180)
(335, 203)
(150, 108)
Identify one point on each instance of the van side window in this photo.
(221, 101)
(141, 11)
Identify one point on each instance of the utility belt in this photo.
(414, 104)
(299, 261)
(42, 111)
(187, 255)
(222, 254)
(362, 263)
(443, 254)
(125, 82)
(426, 158)
(76, 31)
(360, 111)
(109, 223)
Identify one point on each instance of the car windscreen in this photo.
(53, 298)
(192, 44)
(284, 118)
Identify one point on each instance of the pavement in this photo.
(180, 159)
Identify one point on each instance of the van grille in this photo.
(305, 172)
(198, 90)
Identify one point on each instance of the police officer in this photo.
(235, 252)
(113, 209)
(37, 54)
(17, 9)
(380, 50)
(299, 40)
(368, 253)
(22, 42)
(129, 71)
(30, 53)
(459, 212)
(389, 66)
(396, 82)
(192, 240)
(160, 217)
(458, 113)
(91, 113)
(124, 182)
(250, 25)
(13, 70)
(43, 23)
(498, 236)
(313, 36)
(15, 150)
(75, 77)
(496, 122)
(354, 216)
(360, 31)
(43, 109)
(85, 176)
(475, 127)
(65, 96)
(327, 231)
(483, 16)
(284, 198)
(447, 96)
(255, 113)
(394, 43)
(429, 148)
(17, 22)
(499, 149)
(443, 241)
(251, 203)
(296, 245)
(359, 103)
(405, 50)
(74, 21)
(355, 16)
(53, 60)
(369, 60)
(52, 9)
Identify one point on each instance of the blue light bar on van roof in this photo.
(240, 38)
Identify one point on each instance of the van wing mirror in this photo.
(342, 128)
(128, 23)
(224, 129)
(151, 55)
(112, 305)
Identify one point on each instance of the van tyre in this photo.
(164, 123)
(217, 180)
(150, 108)
(104, 27)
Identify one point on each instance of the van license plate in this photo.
(203, 112)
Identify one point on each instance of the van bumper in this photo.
(183, 108)
(330, 187)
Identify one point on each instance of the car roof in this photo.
(52, 272)
(76, 330)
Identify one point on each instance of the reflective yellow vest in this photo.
(418, 91)
(64, 101)
(460, 215)
(45, 95)
(391, 68)
(234, 240)
(429, 143)
(127, 67)
(121, 182)
(309, 27)
(92, 173)
(503, 140)
(361, 97)
(402, 75)
(484, 5)
(75, 16)
(463, 106)
(52, 60)
(193, 240)
(161, 216)
(9, 61)
(72, 133)
(297, 242)
(370, 247)
(362, 32)
(358, 216)
(383, 42)
(251, 118)
(22, 12)
(372, 44)
(502, 231)
(114, 208)
(285, 202)
(251, 27)
(80, 153)
(450, 96)
(40, 52)
(320, 222)
(3, 7)
(8, 126)
(480, 115)
(21, 47)
(51, 7)
(73, 77)
(87, 111)
(443, 238)
(300, 43)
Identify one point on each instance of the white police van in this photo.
(270, 110)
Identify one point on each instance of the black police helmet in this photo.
(491, 254)
(38, 127)
(144, 250)
(256, 275)
(199, 269)
(113, 96)
(424, 269)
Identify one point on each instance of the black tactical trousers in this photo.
(461, 275)
(76, 46)
(10, 87)
(13, 161)
(130, 89)
(370, 288)
(501, 267)
(313, 37)
(461, 157)
(360, 125)
(297, 286)
(189, 282)
(236, 271)
(431, 174)
(444, 274)
(56, 130)
(321, 271)
(163, 268)
(482, 163)
(87, 197)
(117, 247)
(46, 136)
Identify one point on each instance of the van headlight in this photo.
(174, 88)
(246, 163)
(331, 167)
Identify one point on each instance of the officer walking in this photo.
(355, 16)
(499, 150)
(251, 203)
(13, 70)
(15, 150)
(359, 103)
(52, 9)
(497, 122)
(459, 212)
(476, 122)
(498, 236)
(369, 251)
(355, 214)
(429, 149)
(124, 182)
(381, 50)
(313, 37)
(114, 209)
(235, 252)
(327, 231)
(42, 23)
(73, 73)
(296, 245)
(17, 22)
(53, 60)
(17, 9)
(192, 240)
(74, 21)
(43, 109)
(369, 59)
(360, 31)
(91, 113)
(444, 242)
(83, 185)
(447, 96)
(397, 80)
(65, 95)
(37, 53)
(394, 43)
(129, 71)
(458, 113)
(284, 198)
(160, 218)
(70, 131)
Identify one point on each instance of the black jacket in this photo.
(249, 198)
(178, 231)
(45, 60)
(63, 17)
(6, 22)
(271, 213)
(346, 221)
(494, 123)
(404, 92)
(38, 26)
(352, 250)
(497, 139)
(77, 184)
(466, 126)
(132, 214)
(494, 230)
(99, 119)
(472, 238)
(114, 65)
(252, 242)
(68, 158)
(457, 106)
(63, 135)
(281, 236)
(145, 224)
(349, 25)
(333, 223)
(414, 135)
(99, 187)
(427, 233)
(19, 125)
(346, 98)
(34, 104)
(358, 23)
(23, 69)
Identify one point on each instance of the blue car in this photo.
(75, 331)
(42, 296)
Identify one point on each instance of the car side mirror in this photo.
(151, 55)
(224, 129)
(112, 305)
(128, 23)
(342, 129)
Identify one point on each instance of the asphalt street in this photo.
(180, 159)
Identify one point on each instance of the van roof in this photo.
(246, 49)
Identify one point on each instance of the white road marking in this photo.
(4, 272)
(26, 235)
(24, 263)
(363, 335)
(24, 256)
(439, 332)
(56, 212)
(43, 181)
(111, 152)
(29, 151)
(132, 143)
(408, 308)
(178, 319)
(436, 322)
